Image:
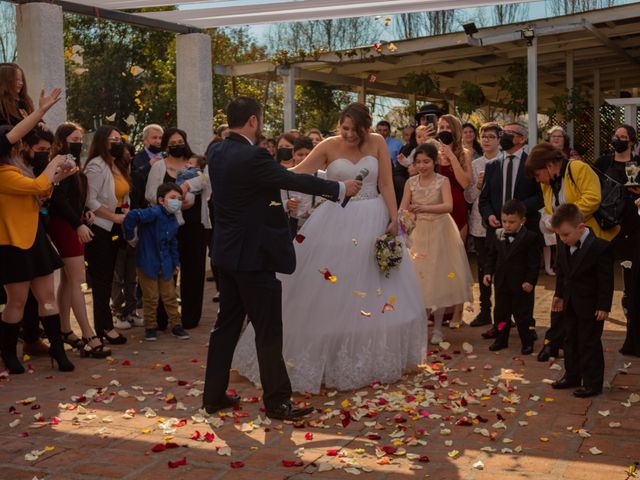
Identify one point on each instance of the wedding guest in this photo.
(470, 140)
(143, 161)
(315, 135)
(194, 219)
(428, 115)
(512, 264)
(15, 102)
(271, 147)
(393, 144)
(298, 205)
(407, 135)
(262, 142)
(421, 137)
(29, 259)
(69, 231)
(584, 291)
(625, 244)
(489, 137)
(631, 344)
(284, 150)
(550, 242)
(301, 148)
(504, 179)
(454, 162)
(557, 137)
(157, 257)
(108, 186)
(437, 251)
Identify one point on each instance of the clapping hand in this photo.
(527, 287)
(353, 187)
(48, 101)
(62, 169)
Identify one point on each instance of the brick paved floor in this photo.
(549, 434)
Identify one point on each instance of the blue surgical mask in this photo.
(173, 205)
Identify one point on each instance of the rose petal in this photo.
(237, 464)
(178, 463)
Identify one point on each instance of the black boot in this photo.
(51, 325)
(8, 344)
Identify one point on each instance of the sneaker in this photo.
(150, 334)
(135, 320)
(180, 332)
(121, 324)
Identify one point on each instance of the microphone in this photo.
(361, 176)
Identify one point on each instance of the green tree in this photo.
(7, 32)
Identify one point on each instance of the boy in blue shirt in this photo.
(157, 257)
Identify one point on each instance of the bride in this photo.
(346, 325)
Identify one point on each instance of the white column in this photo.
(532, 81)
(569, 69)
(289, 80)
(194, 88)
(596, 113)
(40, 46)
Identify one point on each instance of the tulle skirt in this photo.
(339, 333)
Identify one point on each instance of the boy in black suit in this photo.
(584, 290)
(513, 261)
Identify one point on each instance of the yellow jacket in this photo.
(584, 191)
(19, 208)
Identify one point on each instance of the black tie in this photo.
(509, 184)
(577, 245)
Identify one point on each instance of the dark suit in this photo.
(513, 263)
(139, 173)
(252, 242)
(585, 283)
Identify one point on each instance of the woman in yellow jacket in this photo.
(28, 259)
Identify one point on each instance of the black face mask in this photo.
(40, 158)
(446, 137)
(116, 150)
(75, 149)
(284, 154)
(620, 145)
(177, 151)
(154, 149)
(506, 141)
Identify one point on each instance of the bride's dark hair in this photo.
(361, 118)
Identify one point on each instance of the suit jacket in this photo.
(586, 280)
(512, 265)
(139, 173)
(251, 228)
(526, 190)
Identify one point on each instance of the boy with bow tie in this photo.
(513, 261)
(584, 290)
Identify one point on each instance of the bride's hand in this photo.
(392, 228)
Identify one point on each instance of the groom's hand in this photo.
(353, 187)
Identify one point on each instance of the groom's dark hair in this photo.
(241, 109)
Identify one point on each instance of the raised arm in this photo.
(25, 126)
(316, 160)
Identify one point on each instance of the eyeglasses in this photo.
(173, 144)
(624, 139)
(557, 136)
(511, 132)
(489, 137)
(115, 139)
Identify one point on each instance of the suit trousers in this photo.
(583, 353)
(485, 292)
(258, 295)
(521, 307)
(192, 245)
(123, 291)
(555, 335)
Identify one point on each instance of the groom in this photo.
(251, 243)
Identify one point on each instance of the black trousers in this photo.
(583, 353)
(485, 292)
(521, 307)
(100, 255)
(557, 331)
(192, 245)
(259, 295)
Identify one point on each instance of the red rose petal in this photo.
(300, 238)
(181, 423)
(332, 453)
(292, 463)
(374, 436)
(501, 326)
(389, 449)
(345, 417)
(182, 383)
(167, 368)
(171, 445)
(196, 435)
(126, 363)
(424, 459)
(160, 447)
(237, 464)
(208, 437)
(308, 436)
(178, 463)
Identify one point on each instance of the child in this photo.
(549, 241)
(299, 205)
(584, 290)
(422, 135)
(157, 257)
(513, 258)
(437, 250)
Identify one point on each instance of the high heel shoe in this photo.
(94, 352)
(119, 340)
(8, 344)
(73, 343)
(51, 324)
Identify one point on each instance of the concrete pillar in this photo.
(40, 46)
(289, 80)
(596, 113)
(362, 91)
(194, 88)
(532, 81)
(569, 80)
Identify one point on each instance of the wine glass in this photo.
(631, 170)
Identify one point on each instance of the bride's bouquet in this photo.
(407, 222)
(388, 251)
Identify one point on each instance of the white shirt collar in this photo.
(517, 154)
(248, 139)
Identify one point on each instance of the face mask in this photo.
(284, 154)
(154, 149)
(446, 137)
(173, 205)
(620, 145)
(177, 151)
(506, 141)
(75, 149)
(40, 158)
(116, 150)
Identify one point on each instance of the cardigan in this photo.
(101, 190)
(583, 191)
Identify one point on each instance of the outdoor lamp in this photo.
(528, 34)
(470, 28)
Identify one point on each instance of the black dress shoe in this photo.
(527, 350)
(534, 335)
(497, 345)
(481, 320)
(226, 402)
(565, 383)
(546, 353)
(287, 411)
(491, 333)
(586, 392)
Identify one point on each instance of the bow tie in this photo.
(510, 235)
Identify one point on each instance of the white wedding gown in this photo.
(329, 337)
